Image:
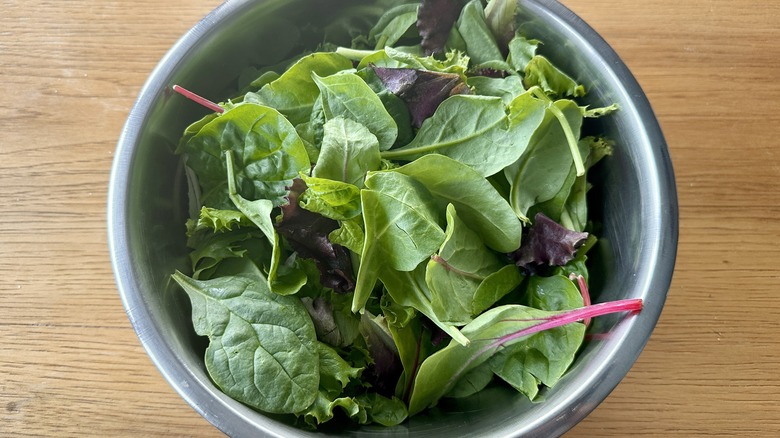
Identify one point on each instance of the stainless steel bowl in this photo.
(634, 197)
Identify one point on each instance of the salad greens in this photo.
(380, 226)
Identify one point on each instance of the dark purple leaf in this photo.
(434, 22)
(385, 370)
(307, 234)
(547, 244)
(422, 90)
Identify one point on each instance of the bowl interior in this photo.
(633, 197)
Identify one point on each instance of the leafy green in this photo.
(349, 151)
(401, 228)
(479, 204)
(270, 338)
(330, 198)
(267, 150)
(435, 18)
(462, 266)
(539, 71)
(393, 25)
(481, 45)
(348, 96)
(294, 92)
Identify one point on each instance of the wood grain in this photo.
(71, 365)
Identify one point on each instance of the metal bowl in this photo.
(634, 197)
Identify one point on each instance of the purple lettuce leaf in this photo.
(307, 234)
(422, 90)
(435, 19)
(547, 244)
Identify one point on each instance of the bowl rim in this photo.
(216, 407)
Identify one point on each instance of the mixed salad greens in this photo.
(384, 225)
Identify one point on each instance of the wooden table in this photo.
(71, 365)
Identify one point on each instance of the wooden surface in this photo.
(71, 365)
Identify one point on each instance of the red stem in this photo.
(584, 291)
(198, 99)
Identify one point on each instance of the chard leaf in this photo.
(413, 343)
(294, 92)
(460, 268)
(548, 244)
(268, 155)
(544, 357)
(307, 233)
(422, 91)
(333, 199)
(435, 18)
(545, 167)
(476, 131)
(349, 150)
(478, 203)
(409, 289)
(540, 72)
(394, 25)
(481, 45)
(401, 229)
(348, 96)
(521, 52)
(268, 337)
(500, 18)
(490, 332)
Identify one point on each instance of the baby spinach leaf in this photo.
(211, 249)
(394, 25)
(478, 203)
(481, 45)
(542, 73)
(435, 18)
(459, 269)
(422, 91)
(267, 150)
(409, 289)
(334, 325)
(349, 150)
(348, 96)
(472, 382)
(545, 167)
(268, 337)
(294, 92)
(383, 410)
(401, 229)
(470, 129)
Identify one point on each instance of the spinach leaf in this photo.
(521, 51)
(349, 150)
(267, 150)
(348, 96)
(383, 410)
(461, 266)
(481, 46)
(507, 88)
(270, 338)
(472, 382)
(409, 289)
(401, 227)
(294, 92)
(478, 203)
(474, 130)
(545, 167)
(394, 25)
